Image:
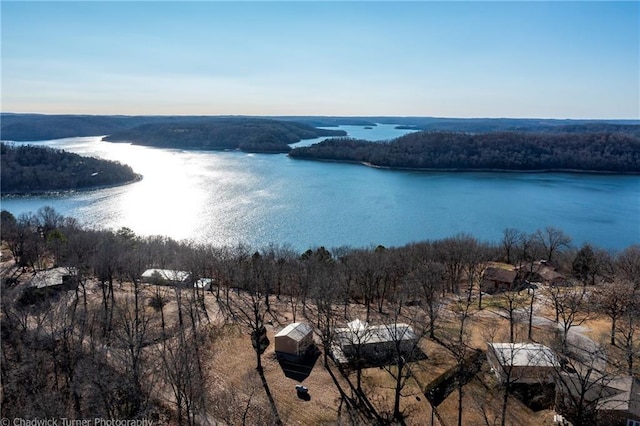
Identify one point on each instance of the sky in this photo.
(355, 58)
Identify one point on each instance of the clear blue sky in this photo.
(447, 59)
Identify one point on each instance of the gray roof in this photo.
(296, 331)
(166, 274)
(360, 332)
(49, 277)
(524, 355)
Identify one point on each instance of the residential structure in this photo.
(527, 363)
(616, 400)
(495, 280)
(375, 342)
(58, 278)
(165, 277)
(541, 272)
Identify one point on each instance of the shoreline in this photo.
(464, 170)
(138, 178)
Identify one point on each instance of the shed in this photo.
(294, 339)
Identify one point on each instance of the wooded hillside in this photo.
(29, 168)
(599, 152)
(247, 134)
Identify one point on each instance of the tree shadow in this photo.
(298, 368)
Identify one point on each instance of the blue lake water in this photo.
(229, 197)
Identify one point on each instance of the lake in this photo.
(231, 197)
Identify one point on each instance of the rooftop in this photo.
(296, 331)
(360, 332)
(524, 354)
(166, 274)
(49, 277)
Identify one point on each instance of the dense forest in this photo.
(246, 134)
(28, 168)
(115, 347)
(598, 152)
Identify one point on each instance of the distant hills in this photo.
(31, 127)
(438, 143)
(246, 134)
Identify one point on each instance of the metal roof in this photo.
(296, 331)
(524, 354)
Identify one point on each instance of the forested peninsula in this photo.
(246, 134)
(499, 151)
(28, 169)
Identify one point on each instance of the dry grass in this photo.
(231, 378)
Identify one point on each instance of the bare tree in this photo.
(614, 300)
(627, 264)
(573, 309)
(627, 334)
(511, 240)
(553, 240)
(429, 280)
(250, 308)
(512, 303)
(404, 334)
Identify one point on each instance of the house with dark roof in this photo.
(495, 280)
(541, 272)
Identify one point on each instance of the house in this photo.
(623, 406)
(525, 363)
(294, 340)
(165, 277)
(616, 399)
(496, 280)
(56, 278)
(203, 283)
(541, 272)
(375, 342)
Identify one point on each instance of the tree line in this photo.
(29, 168)
(246, 134)
(31, 127)
(513, 151)
(53, 345)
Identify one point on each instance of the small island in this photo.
(245, 134)
(598, 152)
(32, 169)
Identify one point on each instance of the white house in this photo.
(165, 276)
(522, 362)
(374, 341)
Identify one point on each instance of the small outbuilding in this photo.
(294, 340)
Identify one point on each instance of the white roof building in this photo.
(294, 339)
(164, 276)
(50, 278)
(522, 362)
